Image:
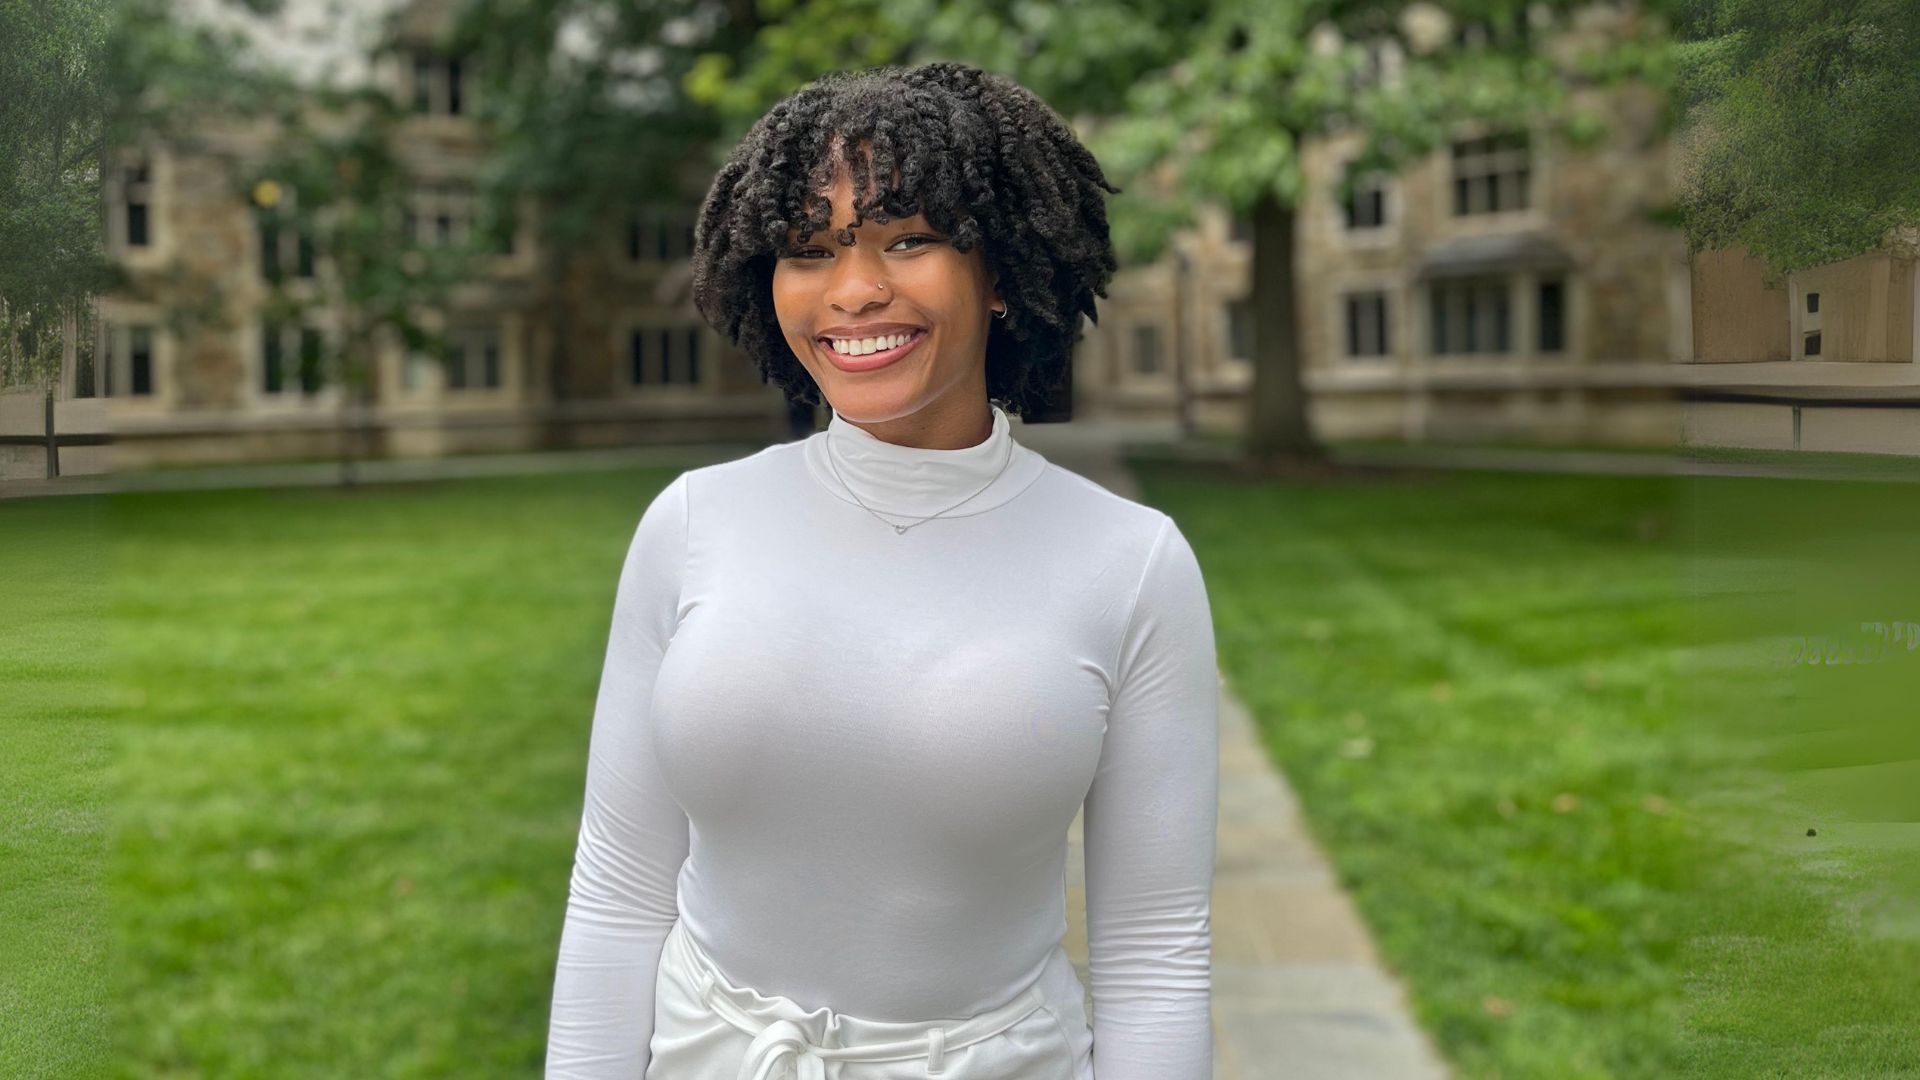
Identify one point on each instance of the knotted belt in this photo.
(784, 1041)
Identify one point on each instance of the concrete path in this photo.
(1299, 992)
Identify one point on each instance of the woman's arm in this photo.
(633, 836)
(1149, 833)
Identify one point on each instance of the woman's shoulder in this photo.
(1098, 508)
(722, 483)
(768, 466)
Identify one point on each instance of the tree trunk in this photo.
(348, 433)
(1277, 427)
(53, 440)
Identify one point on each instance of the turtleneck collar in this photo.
(915, 482)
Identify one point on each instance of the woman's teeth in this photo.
(863, 346)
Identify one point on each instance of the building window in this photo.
(423, 80)
(90, 349)
(1240, 329)
(1471, 316)
(1240, 229)
(286, 249)
(1491, 174)
(1146, 349)
(439, 215)
(1379, 64)
(1812, 344)
(439, 84)
(659, 234)
(292, 359)
(1813, 303)
(140, 361)
(130, 206)
(1366, 204)
(1367, 324)
(125, 366)
(664, 356)
(473, 359)
(1553, 315)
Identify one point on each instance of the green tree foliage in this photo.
(336, 181)
(332, 173)
(1803, 127)
(52, 86)
(583, 100)
(1188, 102)
(584, 109)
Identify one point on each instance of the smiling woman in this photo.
(831, 780)
(893, 326)
(958, 209)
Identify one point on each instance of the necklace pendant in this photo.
(900, 530)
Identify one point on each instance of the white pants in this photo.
(705, 1028)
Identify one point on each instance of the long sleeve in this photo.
(1149, 832)
(633, 837)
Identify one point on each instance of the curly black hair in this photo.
(981, 156)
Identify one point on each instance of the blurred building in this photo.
(1507, 286)
(197, 364)
(1510, 286)
(1820, 359)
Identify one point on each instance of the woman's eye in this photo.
(814, 254)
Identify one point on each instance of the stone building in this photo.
(1506, 286)
(194, 364)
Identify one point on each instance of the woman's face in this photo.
(893, 328)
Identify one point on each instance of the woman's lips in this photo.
(873, 361)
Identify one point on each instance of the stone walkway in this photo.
(1299, 991)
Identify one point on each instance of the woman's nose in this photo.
(857, 283)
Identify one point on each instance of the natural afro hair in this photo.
(982, 157)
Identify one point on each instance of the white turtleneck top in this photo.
(847, 758)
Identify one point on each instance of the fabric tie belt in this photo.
(784, 1041)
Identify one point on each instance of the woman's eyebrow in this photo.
(917, 222)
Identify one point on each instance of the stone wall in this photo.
(1865, 314)
(1739, 309)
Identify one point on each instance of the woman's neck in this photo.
(966, 424)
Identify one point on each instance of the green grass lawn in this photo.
(344, 736)
(355, 742)
(1545, 730)
(53, 813)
